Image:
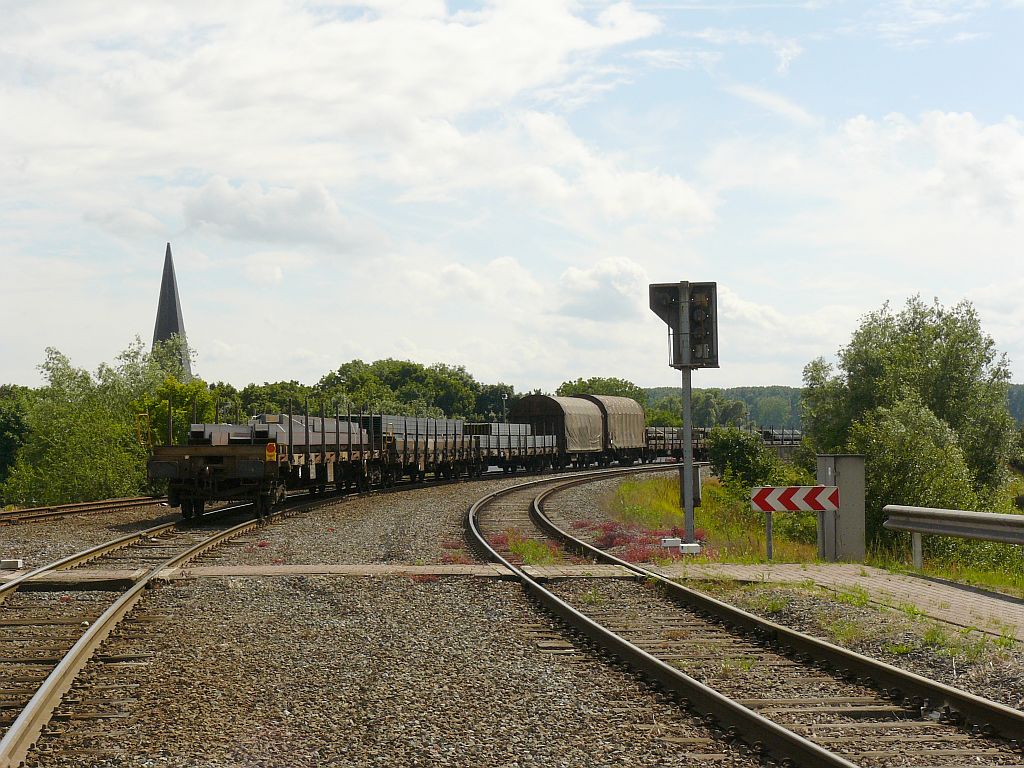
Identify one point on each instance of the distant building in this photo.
(168, 313)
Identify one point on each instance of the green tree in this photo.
(705, 405)
(13, 426)
(227, 401)
(735, 453)
(274, 397)
(490, 404)
(191, 402)
(598, 385)
(658, 416)
(455, 390)
(81, 440)
(912, 457)
(942, 357)
(771, 410)
(1015, 402)
(732, 413)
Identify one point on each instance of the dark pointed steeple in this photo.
(168, 312)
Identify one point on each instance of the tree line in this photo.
(925, 395)
(922, 392)
(774, 406)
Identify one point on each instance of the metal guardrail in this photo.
(983, 526)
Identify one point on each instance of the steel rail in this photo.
(82, 507)
(755, 729)
(79, 558)
(939, 697)
(26, 728)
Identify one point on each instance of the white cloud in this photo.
(670, 58)
(271, 267)
(491, 186)
(884, 209)
(611, 291)
(916, 22)
(785, 49)
(538, 159)
(247, 212)
(774, 103)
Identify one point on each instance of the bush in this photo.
(740, 455)
(912, 458)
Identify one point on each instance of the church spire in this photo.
(168, 313)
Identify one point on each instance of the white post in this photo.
(918, 550)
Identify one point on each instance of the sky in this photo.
(495, 185)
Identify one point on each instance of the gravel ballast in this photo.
(415, 526)
(44, 541)
(978, 663)
(975, 662)
(359, 672)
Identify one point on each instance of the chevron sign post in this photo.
(795, 498)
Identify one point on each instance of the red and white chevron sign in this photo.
(796, 498)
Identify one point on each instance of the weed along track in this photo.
(790, 695)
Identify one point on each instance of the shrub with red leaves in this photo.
(456, 558)
(637, 553)
(262, 543)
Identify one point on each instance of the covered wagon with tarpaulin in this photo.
(623, 422)
(577, 424)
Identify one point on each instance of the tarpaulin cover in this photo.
(625, 420)
(579, 421)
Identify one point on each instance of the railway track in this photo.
(31, 514)
(797, 698)
(47, 638)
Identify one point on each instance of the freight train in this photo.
(274, 453)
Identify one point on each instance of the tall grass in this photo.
(733, 532)
(730, 530)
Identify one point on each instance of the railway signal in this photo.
(691, 312)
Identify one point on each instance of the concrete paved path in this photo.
(954, 604)
(959, 605)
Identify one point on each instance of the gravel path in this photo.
(43, 542)
(363, 672)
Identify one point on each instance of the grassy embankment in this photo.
(646, 507)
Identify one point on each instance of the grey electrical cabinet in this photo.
(841, 534)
